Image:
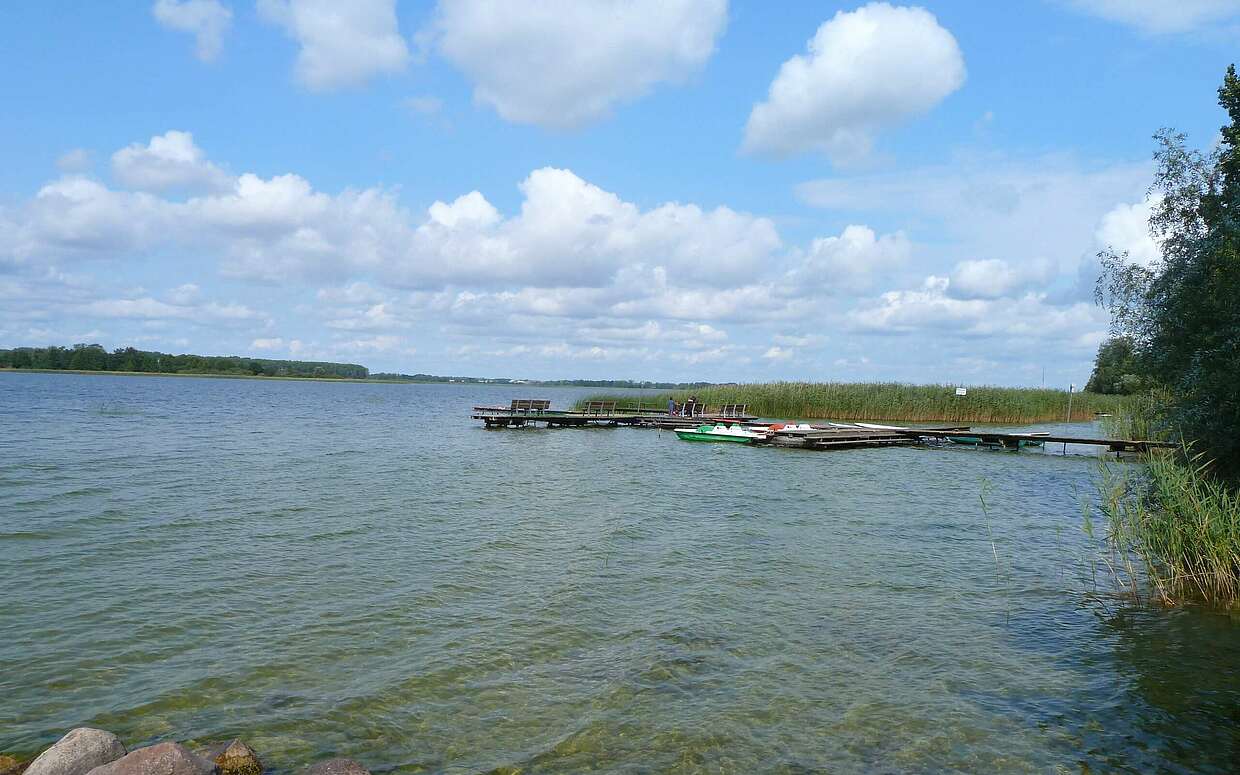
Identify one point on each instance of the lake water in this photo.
(361, 570)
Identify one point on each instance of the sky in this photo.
(654, 189)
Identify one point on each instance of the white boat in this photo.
(733, 433)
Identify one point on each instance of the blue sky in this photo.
(679, 190)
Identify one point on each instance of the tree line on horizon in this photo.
(93, 357)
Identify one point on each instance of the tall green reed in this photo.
(895, 401)
(1181, 523)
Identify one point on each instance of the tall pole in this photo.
(1071, 387)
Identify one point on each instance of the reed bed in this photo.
(1182, 524)
(893, 401)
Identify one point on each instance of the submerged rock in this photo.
(161, 759)
(337, 767)
(239, 759)
(11, 765)
(78, 752)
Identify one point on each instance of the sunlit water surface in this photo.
(360, 570)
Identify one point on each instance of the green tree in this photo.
(88, 357)
(1116, 369)
(1183, 315)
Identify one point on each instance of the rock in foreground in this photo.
(239, 759)
(78, 752)
(162, 759)
(10, 765)
(337, 767)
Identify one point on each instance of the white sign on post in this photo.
(962, 391)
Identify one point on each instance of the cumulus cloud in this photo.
(206, 20)
(993, 278)
(864, 70)
(1158, 17)
(342, 44)
(931, 310)
(562, 65)
(851, 261)
(1125, 229)
(568, 232)
(580, 234)
(168, 161)
(571, 271)
(1030, 211)
(82, 216)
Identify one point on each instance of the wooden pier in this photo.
(523, 412)
(532, 412)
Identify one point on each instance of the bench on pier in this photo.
(734, 410)
(599, 407)
(691, 409)
(529, 405)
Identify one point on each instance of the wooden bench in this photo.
(529, 406)
(600, 407)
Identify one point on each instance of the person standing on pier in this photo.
(671, 406)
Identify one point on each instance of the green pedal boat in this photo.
(733, 433)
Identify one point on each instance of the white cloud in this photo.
(1160, 16)
(572, 232)
(1027, 211)
(562, 65)
(864, 70)
(576, 271)
(931, 312)
(80, 215)
(206, 20)
(342, 44)
(1125, 229)
(148, 308)
(168, 161)
(851, 261)
(993, 278)
(567, 232)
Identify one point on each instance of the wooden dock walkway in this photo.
(523, 412)
(531, 412)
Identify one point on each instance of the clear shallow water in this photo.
(360, 570)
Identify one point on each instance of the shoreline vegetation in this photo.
(1175, 326)
(128, 361)
(90, 751)
(894, 401)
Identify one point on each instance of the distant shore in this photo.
(94, 372)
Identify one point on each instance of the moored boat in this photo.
(733, 433)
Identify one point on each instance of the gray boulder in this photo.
(161, 759)
(78, 752)
(337, 767)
